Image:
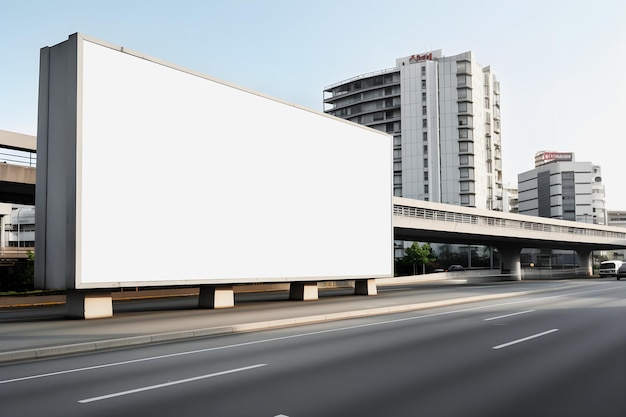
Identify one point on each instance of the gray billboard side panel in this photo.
(75, 239)
(56, 141)
(42, 166)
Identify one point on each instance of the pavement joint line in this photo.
(132, 341)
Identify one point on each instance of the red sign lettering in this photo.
(421, 58)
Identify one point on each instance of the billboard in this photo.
(151, 174)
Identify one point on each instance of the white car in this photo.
(609, 268)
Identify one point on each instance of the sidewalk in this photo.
(26, 338)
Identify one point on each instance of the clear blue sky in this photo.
(561, 63)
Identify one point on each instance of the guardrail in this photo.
(494, 221)
(15, 157)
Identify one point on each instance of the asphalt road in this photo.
(550, 354)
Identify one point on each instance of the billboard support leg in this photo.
(81, 304)
(303, 291)
(216, 296)
(365, 287)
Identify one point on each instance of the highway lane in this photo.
(558, 354)
(45, 326)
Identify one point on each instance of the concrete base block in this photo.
(365, 287)
(82, 304)
(216, 296)
(303, 291)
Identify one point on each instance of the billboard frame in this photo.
(62, 256)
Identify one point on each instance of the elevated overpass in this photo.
(17, 168)
(424, 221)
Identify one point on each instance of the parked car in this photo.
(609, 268)
(621, 272)
(456, 268)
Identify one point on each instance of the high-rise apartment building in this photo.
(444, 116)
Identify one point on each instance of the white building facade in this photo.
(19, 227)
(444, 116)
(561, 188)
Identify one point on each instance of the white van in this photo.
(609, 268)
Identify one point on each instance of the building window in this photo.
(543, 194)
(423, 71)
(423, 97)
(425, 162)
(569, 195)
(425, 175)
(464, 172)
(463, 146)
(425, 136)
(423, 84)
(463, 160)
(465, 186)
(463, 133)
(425, 188)
(424, 113)
(424, 123)
(463, 107)
(425, 149)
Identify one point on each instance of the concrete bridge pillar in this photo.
(365, 287)
(303, 291)
(216, 296)
(586, 261)
(89, 304)
(510, 262)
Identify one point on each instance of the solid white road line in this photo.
(509, 315)
(168, 384)
(514, 342)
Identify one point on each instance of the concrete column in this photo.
(216, 296)
(586, 262)
(303, 291)
(89, 304)
(365, 287)
(510, 262)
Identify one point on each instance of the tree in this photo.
(416, 254)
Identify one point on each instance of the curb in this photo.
(49, 352)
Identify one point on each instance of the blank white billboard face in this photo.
(183, 179)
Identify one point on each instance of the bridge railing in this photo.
(15, 157)
(494, 221)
